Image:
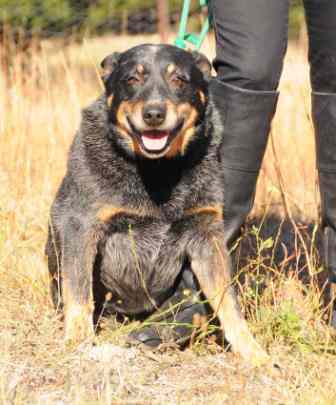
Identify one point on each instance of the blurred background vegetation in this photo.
(49, 18)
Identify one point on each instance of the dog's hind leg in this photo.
(211, 266)
(78, 255)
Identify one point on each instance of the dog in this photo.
(144, 192)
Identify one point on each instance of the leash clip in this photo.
(195, 39)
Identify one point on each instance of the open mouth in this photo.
(155, 141)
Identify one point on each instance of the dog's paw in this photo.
(78, 323)
(258, 357)
(244, 344)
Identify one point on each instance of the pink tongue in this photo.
(155, 141)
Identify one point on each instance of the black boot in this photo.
(244, 117)
(174, 320)
(324, 118)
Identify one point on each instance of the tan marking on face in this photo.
(202, 96)
(110, 100)
(123, 110)
(127, 109)
(216, 211)
(171, 68)
(188, 134)
(180, 143)
(140, 73)
(140, 69)
(133, 110)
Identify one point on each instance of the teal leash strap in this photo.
(180, 40)
(183, 37)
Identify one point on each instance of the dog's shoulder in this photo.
(89, 150)
(93, 130)
(94, 117)
(92, 150)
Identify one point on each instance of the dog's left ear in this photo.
(203, 64)
(109, 64)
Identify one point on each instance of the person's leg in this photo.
(174, 320)
(321, 22)
(251, 40)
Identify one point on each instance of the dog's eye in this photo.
(132, 80)
(179, 80)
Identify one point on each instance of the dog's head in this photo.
(156, 97)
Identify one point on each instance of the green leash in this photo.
(183, 36)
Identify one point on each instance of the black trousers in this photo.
(251, 41)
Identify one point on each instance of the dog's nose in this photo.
(154, 114)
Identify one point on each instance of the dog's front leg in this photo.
(211, 265)
(79, 252)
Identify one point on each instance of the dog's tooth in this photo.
(156, 144)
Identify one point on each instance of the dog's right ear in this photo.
(109, 64)
(203, 64)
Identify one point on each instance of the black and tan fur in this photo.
(130, 216)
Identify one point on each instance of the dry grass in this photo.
(281, 293)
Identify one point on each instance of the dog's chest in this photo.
(143, 255)
(139, 264)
